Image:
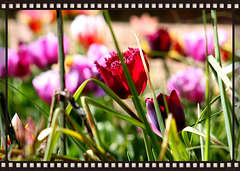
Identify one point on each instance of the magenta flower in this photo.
(46, 83)
(89, 29)
(18, 63)
(2, 62)
(195, 44)
(43, 52)
(174, 107)
(113, 75)
(189, 84)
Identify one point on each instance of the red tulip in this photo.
(113, 75)
(174, 107)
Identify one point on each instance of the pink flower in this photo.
(89, 29)
(83, 67)
(43, 52)
(46, 83)
(97, 52)
(18, 63)
(189, 84)
(2, 62)
(195, 44)
(144, 25)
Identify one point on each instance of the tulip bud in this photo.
(174, 107)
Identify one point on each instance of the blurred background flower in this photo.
(189, 84)
(159, 40)
(18, 64)
(195, 43)
(89, 29)
(36, 19)
(144, 25)
(47, 82)
(43, 52)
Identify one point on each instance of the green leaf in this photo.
(220, 71)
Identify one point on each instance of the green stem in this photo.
(62, 80)
(226, 111)
(207, 95)
(135, 99)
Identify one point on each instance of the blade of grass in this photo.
(220, 71)
(201, 139)
(211, 146)
(215, 114)
(2, 114)
(226, 108)
(92, 122)
(207, 97)
(156, 105)
(237, 146)
(51, 139)
(197, 132)
(165, 138)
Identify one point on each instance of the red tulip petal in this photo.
(175, 107)
(113, 82)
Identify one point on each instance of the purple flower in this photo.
(195, 44)
(44, 51)
(174, 107)
(83, 67)
(189, 84)
(46, 83)
(18, 63)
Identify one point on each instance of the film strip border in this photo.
(119, 6)
(121, 165)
